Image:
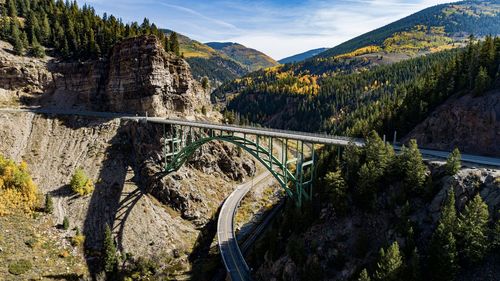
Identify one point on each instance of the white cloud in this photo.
(279, 30)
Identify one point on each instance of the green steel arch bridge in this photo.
(294, 174)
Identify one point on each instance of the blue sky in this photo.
(279, 28)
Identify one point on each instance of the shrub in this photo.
(80, 183)
(78, 239)
(65, 223)
(19, 267)
(17, 189)
(49, 204)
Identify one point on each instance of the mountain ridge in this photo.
(302, 56)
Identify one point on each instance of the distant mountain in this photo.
(430, 29)
(250, 58)
(205, 61)
(302, 56)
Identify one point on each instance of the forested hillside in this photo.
(71, 32)
(387, 98)
(247, 57)
(480, 18)
(207, 62)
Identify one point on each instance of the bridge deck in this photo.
(291, 135)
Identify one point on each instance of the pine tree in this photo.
(337, 189)
(443, 260)
(11, 8)
(363, 276)
(482, 82)
(390, 264)
(449, 213)
(49, 204)
(473, 230)
(351, 158)
(37, 49)
(45, 31)
(414, 269)
(453, 163)
(109, 251)
(16, 38)
(4, 26)
(166, 44)
(174, 43)
(412, 166)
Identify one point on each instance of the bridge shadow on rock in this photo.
(205, 260)
(105, 201)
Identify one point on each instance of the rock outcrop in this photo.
(138, 77)
(470, 123)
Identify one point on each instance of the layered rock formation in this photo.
(470, 123)
(138, 77)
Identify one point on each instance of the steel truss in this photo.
(294, 175)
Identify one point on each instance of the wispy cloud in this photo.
(277, 27)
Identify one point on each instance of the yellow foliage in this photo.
(361, 51)
(17, 189)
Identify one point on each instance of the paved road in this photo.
(234, 261)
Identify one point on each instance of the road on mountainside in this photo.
(232, 257)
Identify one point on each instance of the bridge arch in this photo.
(181, 144)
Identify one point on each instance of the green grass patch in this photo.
(20, 267)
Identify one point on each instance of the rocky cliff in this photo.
(155, 216)
(470, 123)
(138, 77)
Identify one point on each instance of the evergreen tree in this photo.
(412, 166)
(337, 189)
(482, 82)
(449, 213)
(37, 49)
(109, 251)
(414, 269)
(174, 43)
(16, 38)
(49, 204)
(65, 223)
(11, 8)
(473, 230)
(351, 158)
(363, 276)
(4, 26)
(443, 260)
(390, 264)
(166, 44)
(453, 163)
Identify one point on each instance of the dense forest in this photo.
(70, 31)
(340, 230)
(385, 99)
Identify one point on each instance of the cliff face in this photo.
(470, 123)
(138, 77)
(156, 216)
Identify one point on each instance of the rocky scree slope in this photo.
(470, 123)
(152, 215)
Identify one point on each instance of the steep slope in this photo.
(162, 219)
(249, 58)
(302, 56)
(459, 19)
(469, 123)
